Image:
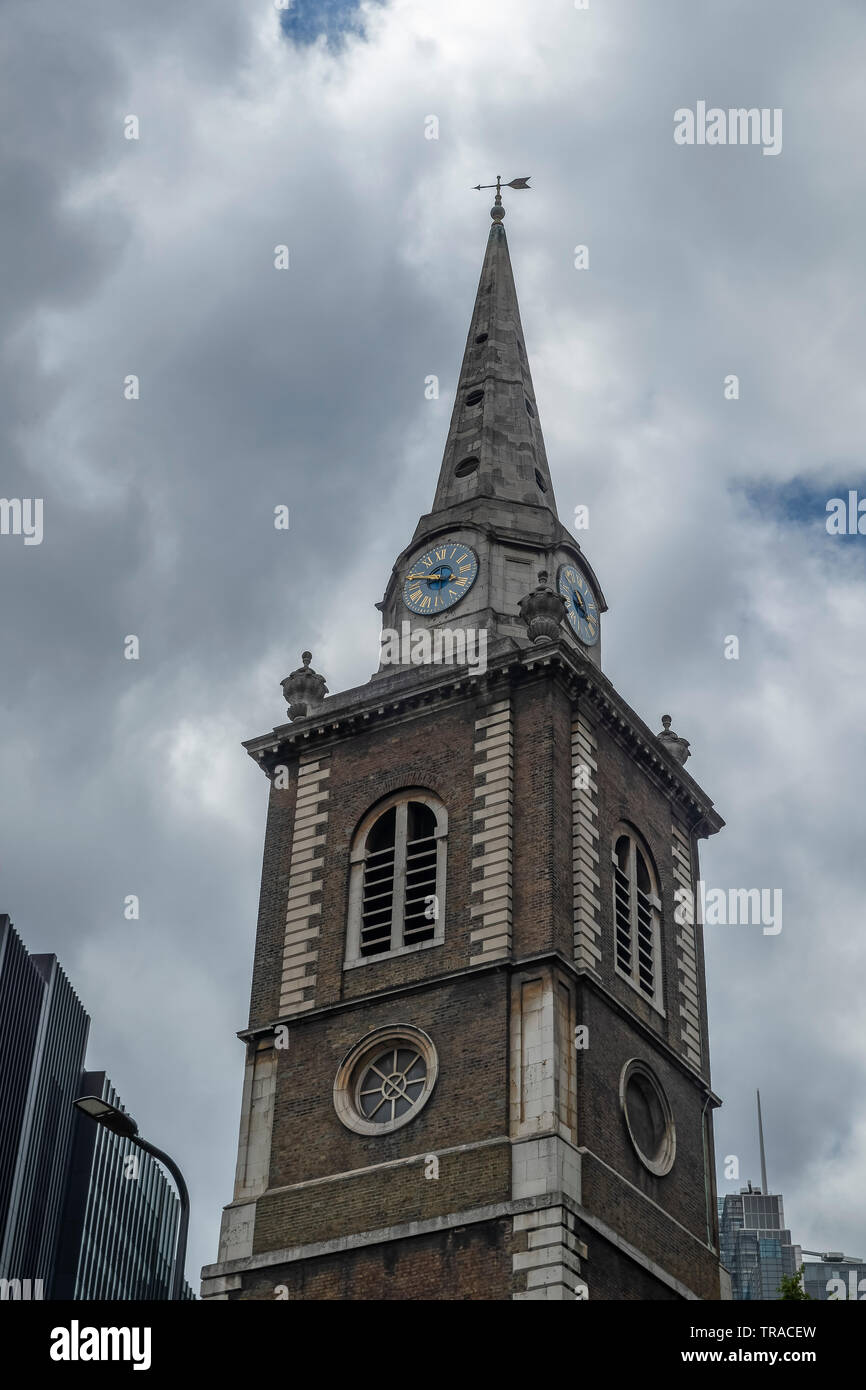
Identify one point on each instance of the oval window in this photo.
(648, 1117)
(466, 466)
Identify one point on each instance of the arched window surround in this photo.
(358, 862)
(637, 916)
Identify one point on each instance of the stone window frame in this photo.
(664, 1162)
(357, 860)
(359, 1058)
(625, 828)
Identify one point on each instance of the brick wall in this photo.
(614, 1040)
(271, 929)
(466, 1019)
(626, 793)
(383, 1197)
(473, 1262)
(611, 1274)
(432, 750)
(317, 1186)
(543, 876)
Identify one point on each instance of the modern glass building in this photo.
(120, 1217)
(43, 1035)
(21, 990)
(835, 1277)
(84, 1213)
(755, 1245)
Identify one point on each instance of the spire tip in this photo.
(497, 212)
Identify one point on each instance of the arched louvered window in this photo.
(636, 916)
(397, 886)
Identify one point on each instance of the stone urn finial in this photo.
(679, 747)
(304, 690)
(543, 611)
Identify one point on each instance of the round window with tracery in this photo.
(391, 1085)
(385, 1079)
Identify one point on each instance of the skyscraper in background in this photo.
(43, 1035)
(756, 1246)
(835, 1277)
(84, 1213)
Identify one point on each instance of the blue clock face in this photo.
(580, 602)
(439, 578)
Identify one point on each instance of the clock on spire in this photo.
(493, 525)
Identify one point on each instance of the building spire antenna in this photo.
(764, 1188)
(497, 212)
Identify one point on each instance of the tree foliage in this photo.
(791, 1286)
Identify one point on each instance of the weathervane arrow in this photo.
(497, 212)
(499, 185)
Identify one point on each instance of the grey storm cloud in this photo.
(305, 388)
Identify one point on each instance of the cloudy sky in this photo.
(305, 388)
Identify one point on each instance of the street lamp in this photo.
(118, 1122)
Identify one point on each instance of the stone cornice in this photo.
(401, 696)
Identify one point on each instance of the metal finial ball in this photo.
(497, 212)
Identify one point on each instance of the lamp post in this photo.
(118, 1122)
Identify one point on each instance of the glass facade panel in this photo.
(754, 1244)
(75, 1213)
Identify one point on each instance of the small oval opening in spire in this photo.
(466, 466)
(475, 398)
(481, 337)
(540, 480)
(529, 407)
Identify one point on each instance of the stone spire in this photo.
(494, 494)
(495, 447)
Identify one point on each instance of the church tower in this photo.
(477, 1061)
